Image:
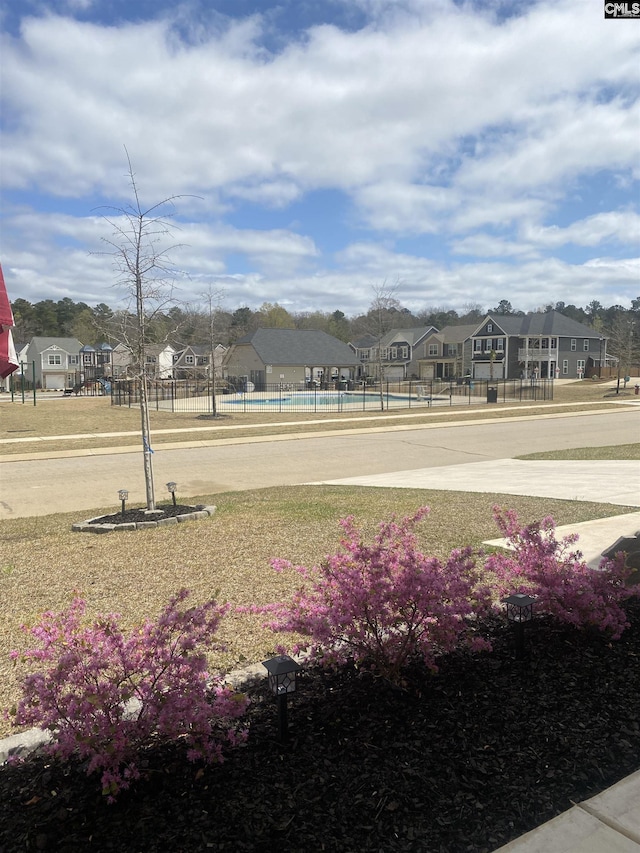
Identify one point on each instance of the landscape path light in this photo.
(123, 494)
(519, 612)
(172, 488)
(282, 674)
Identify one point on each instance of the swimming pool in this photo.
(311, 399)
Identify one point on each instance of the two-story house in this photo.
(544, 346)
(396, 353)
(54, 362)
(158, 362)
(194, 362)
(446, 354)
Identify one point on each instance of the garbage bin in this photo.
(492, 395)
(637, 389)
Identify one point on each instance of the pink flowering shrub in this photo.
(385, 603)
(557, 575)
(104, 695)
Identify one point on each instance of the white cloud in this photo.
(433, 119)
(620, 226)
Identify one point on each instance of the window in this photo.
(489, 328)
(433, 349)
(477, 346)
(151, 359)
(452, 349)
(394, 352)
(500, 345)
(188, 359)
(405, 352)
(545, 343)
(565, 366)
(554, 343)
(573, 344)
(86, 358)
(74, 359)
(585, 345)
(54, 359)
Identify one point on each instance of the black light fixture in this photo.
(282, 674)
(171, 487)
(519, 612)
(123, 494)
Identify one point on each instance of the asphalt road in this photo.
(84, 483)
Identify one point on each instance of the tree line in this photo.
(181, 326)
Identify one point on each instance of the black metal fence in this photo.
(198, 396)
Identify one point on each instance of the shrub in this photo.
(557, 575)
(385, 603)
(104, 695)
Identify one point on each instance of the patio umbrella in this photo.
(8, 357)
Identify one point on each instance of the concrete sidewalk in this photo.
(614, 482)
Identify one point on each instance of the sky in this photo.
(455, 153)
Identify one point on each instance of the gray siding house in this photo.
(193, 362)
(446, 354)
(295, 357)
(397, 353)
(55, 361)
(544, 346)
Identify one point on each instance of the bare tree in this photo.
(381, 314)
(212, 301)
(624, 343)
(141, 258)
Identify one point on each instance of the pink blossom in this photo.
(103, 695)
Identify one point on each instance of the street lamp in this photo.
(282, 672)
(171, 487)
(519, 612)
(123, 494)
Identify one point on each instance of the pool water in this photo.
(312, 398)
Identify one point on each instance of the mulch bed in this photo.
(136, 515)
(465, 760)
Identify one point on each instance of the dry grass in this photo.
(95, 423)
(43, 563)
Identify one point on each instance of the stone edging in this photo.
(199, 512)
(21, 744)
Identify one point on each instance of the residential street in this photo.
(84, 483)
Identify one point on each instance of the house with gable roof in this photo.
(544, 346)
(446, 354)
(194, 362)
(55, 361)
(397, 353)
(158, 361)
(294, 357)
